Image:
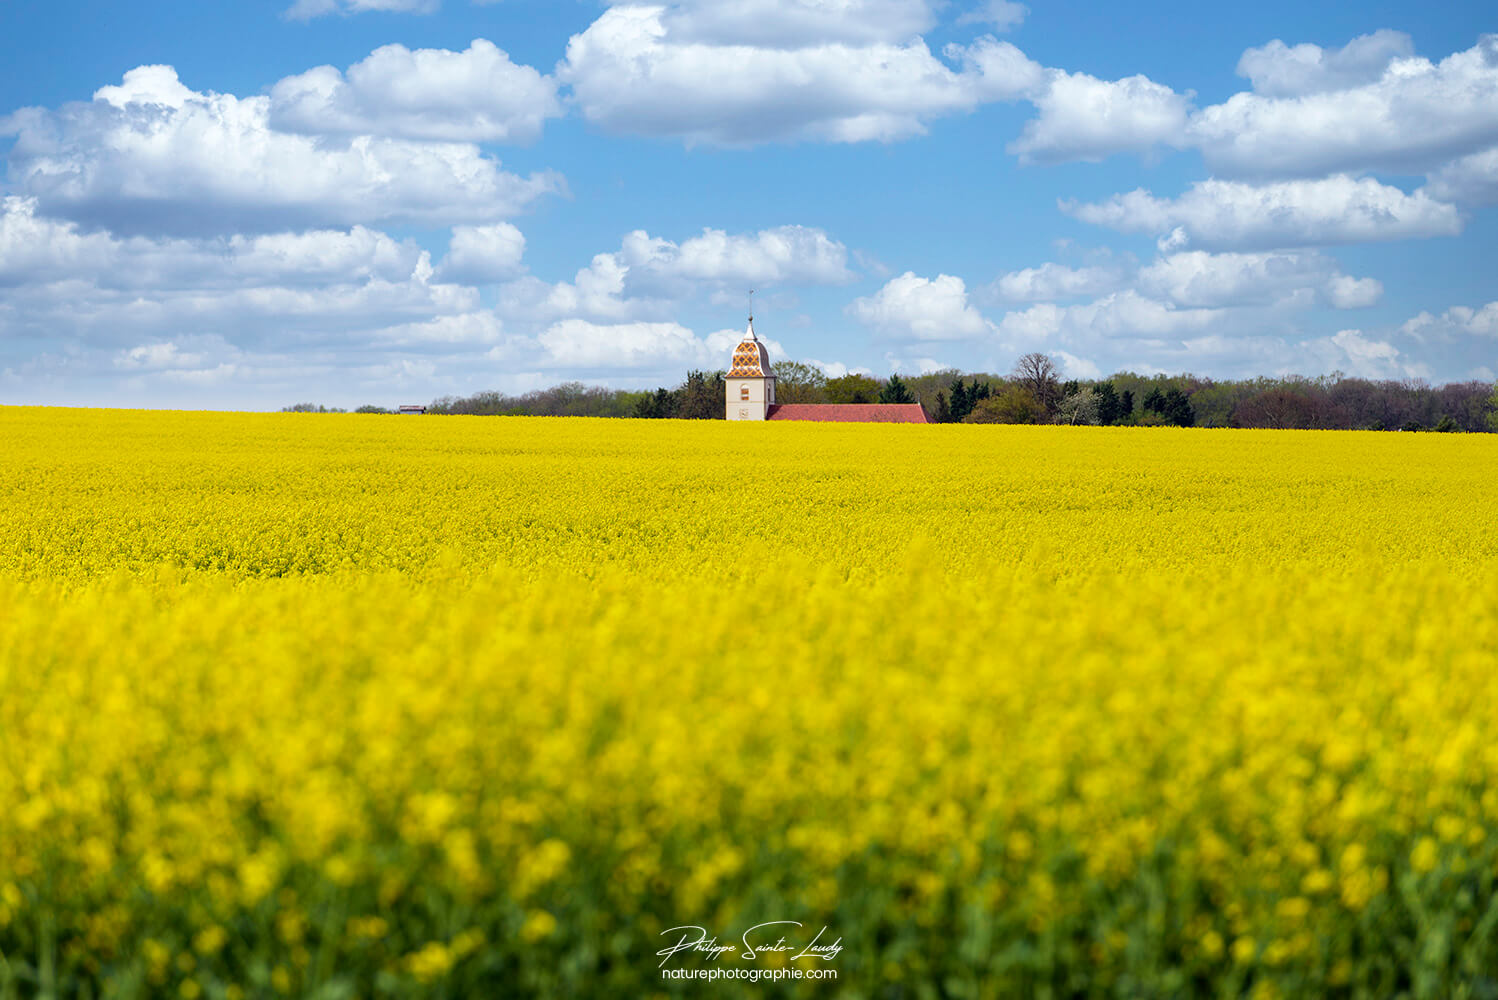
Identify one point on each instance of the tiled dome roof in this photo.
(750, 359)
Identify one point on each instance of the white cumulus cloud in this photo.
(156, 356)
(1471, 179)
(1056, 281)
(1084, 118)
(786, 254)
(1120, 314)
(477, 95)
(152, 156)
(660, 71)
(648, 273)
(482, 254)
(1458, 321)
(796, 23)
(579, 344)
(1280, 70)
(1346, 292)
(38, 251)
(276, 291)
(1351, 352)
(921, 308)
(1075, 367)
(1413, 117)
(1219, 214)
(596, 293)
(1197, 278)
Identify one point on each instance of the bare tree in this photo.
(1041, 375)
(1277, 408)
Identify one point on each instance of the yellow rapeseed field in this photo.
(346, 706)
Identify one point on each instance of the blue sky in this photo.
(351, 201)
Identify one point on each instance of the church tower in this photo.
(750, 380)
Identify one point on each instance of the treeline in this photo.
(1034, 392)
(570, 399)
(316, 408)
(701, 396)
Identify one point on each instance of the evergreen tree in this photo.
(702, 396)
(659, 405)
(894, 391)
(1107, 403)
(962, 402)
(1173, 406)
(943, 414)
(1176, 408)
(1126, 404)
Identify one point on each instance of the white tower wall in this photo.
(749, 398)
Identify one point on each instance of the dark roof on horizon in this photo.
(850, 413)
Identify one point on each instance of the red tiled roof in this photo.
(870, 413)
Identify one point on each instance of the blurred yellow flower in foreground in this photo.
(457, 706)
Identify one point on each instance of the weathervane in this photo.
(751, 305)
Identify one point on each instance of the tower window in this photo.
(743, 392)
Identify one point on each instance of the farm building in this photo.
(750, 385)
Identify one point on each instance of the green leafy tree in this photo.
(853, 389)
(798, 382)
(310, 408)
(1014, 404)
(1492, 417)
(569, 399)
(894, 391)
